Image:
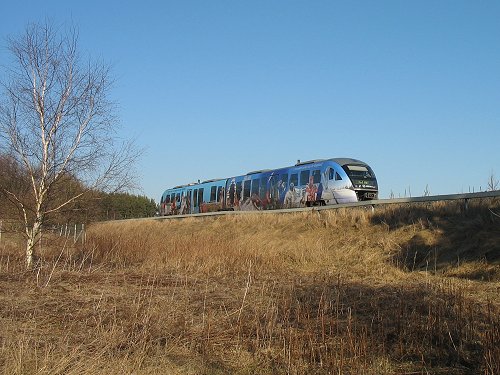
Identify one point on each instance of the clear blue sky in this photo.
(219, 88)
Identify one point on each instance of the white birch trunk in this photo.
(33, 235)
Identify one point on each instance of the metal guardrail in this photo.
(373, 203)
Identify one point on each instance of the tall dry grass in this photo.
(334, 292)
(306, 242)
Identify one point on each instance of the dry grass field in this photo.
(403, 290)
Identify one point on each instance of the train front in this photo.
(362, 177)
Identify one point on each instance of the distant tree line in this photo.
(125, 206)
(96, 206)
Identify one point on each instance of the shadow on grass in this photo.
(356, 328)
(447, 235)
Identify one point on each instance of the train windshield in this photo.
(361, 176)
(358, 171)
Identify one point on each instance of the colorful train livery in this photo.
(315, 182)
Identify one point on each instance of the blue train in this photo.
(315, 182)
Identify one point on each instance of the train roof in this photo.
(309, 162)
(181, 186)
(260, 171)
(195, 183)
(344, 161)
(340, 161)
(212, 180)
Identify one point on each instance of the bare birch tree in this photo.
(493, 183)
(57, 121)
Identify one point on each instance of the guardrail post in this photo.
(466, 204)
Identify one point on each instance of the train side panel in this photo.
(203, 197)
(171, 201)
(210, 196)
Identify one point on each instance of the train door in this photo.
(245, 201)
(166, 205)
(196, 208)
(282, 188)
(201, 201)
(264, 193)
(178, 200)
(277, 189)
(254, 195)
(334, 179)
(305, 197)
(293, 193)
(231, 194)
(314, 188)
(220, 197)
(188, 201)
(336, 189)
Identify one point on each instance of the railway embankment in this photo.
(404, 289)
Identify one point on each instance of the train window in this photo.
(331, 174)
(294, 179)
(213, 193)
(337, 177)
(167, 199)
(178, 198)
(230, 193)
(304, 178)
(200, 196)
(317, 176)
(263, 187)
(358, 171)
(220, 194)
(195, 197)
(284, 178)
(238, 190)
(255, 187)
(172, 197)
(246, 189)
(273, 186)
